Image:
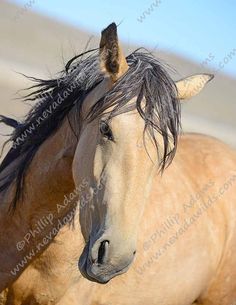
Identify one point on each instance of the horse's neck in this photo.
(47, 181)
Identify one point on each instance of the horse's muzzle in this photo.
(98, 269)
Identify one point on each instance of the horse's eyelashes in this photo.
(106, 130)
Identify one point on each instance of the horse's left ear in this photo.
(112, 59)
(192, 85)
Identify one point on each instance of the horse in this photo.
(158, 223)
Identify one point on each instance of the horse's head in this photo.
(130, 128)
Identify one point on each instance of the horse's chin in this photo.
(85, 267)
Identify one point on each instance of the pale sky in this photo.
(192, 28)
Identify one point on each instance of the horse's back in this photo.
(204, 144)
(204, 160)
(206, 157)
(209, 159)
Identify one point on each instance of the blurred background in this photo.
(37, 37)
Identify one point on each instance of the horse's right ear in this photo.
(112, 59)
(192, 85)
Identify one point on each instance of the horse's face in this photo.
(114, 173)
(118, 173)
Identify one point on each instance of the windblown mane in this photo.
(145, 79)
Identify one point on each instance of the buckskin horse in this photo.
(157, 222)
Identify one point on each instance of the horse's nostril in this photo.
(134, 252)
(103, 252)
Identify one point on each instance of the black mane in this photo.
(145, 78)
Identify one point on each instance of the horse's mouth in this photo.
(102, 276)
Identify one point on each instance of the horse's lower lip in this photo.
(84, 269)
(105, 278)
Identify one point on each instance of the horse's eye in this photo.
(106, 131)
